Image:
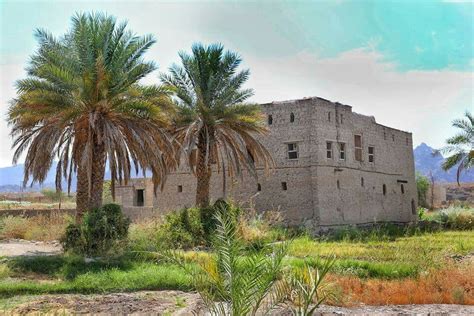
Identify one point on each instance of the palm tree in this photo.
(461, 146)
(82, 105)
(213, 124)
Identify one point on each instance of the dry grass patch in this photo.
(446, 286)
(41, 228)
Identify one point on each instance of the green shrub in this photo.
(182, 229)
(103, 231)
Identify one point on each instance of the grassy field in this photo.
(424, 268)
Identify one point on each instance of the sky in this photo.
(408, 63)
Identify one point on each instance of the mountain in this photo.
(426, 160)
(11, 180)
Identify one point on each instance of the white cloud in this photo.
(422, 102)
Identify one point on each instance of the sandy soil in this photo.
(181, 303)
(19, 247)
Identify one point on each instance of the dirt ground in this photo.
(20, 247)
(181, 303)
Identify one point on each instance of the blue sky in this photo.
(408, 63)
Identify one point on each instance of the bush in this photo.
(458, 218)
(103, 231)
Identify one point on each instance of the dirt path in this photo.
(181, 303)
(19, 247)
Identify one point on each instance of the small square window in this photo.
(284, 187)
(329, 150)
(180, 188)
(342, 151)
(292, 151)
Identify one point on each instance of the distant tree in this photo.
(82, 104)
(422, 186)
(460, 147)
(214, 125)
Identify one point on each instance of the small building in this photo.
(333, 167)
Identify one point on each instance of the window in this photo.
(270, 120)
(402, 188)
(384, 134)
(292, 118)
(329, 150)
(362, 182)
(140, 197)
(329, 116)
(180, 188)
(342, 151)
(259, 187)
(341, 118)
(371, 154)
(358, 147)
(338, 184)
(393, 137)
(407, 141)
(413, 207)
(384, 189)
(292, 151)
(284, 186)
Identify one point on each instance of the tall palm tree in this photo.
(214, 125)
(461, 146)
(82, 105)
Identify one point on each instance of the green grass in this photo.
(400, 258)
(405, 256)
(74, 277)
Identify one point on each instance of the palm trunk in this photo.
(203, 173)
(82, 193)
(98, 172)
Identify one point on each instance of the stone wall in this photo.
(320, 191)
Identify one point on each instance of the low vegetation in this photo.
(383, 265)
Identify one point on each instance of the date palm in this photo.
(214, 125)
(461, 146)
(81, 104)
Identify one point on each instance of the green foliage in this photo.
(107, 192)
(103, 231)
(422, 186)
(456, 218)
(183, 229)
(231, 284)
(5, 271)
(460, 147)
(308, 289)
(192, 227)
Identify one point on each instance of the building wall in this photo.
(313, 197)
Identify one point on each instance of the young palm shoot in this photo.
(308, 288)
(233, 284)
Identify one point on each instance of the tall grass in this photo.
(42, 227)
